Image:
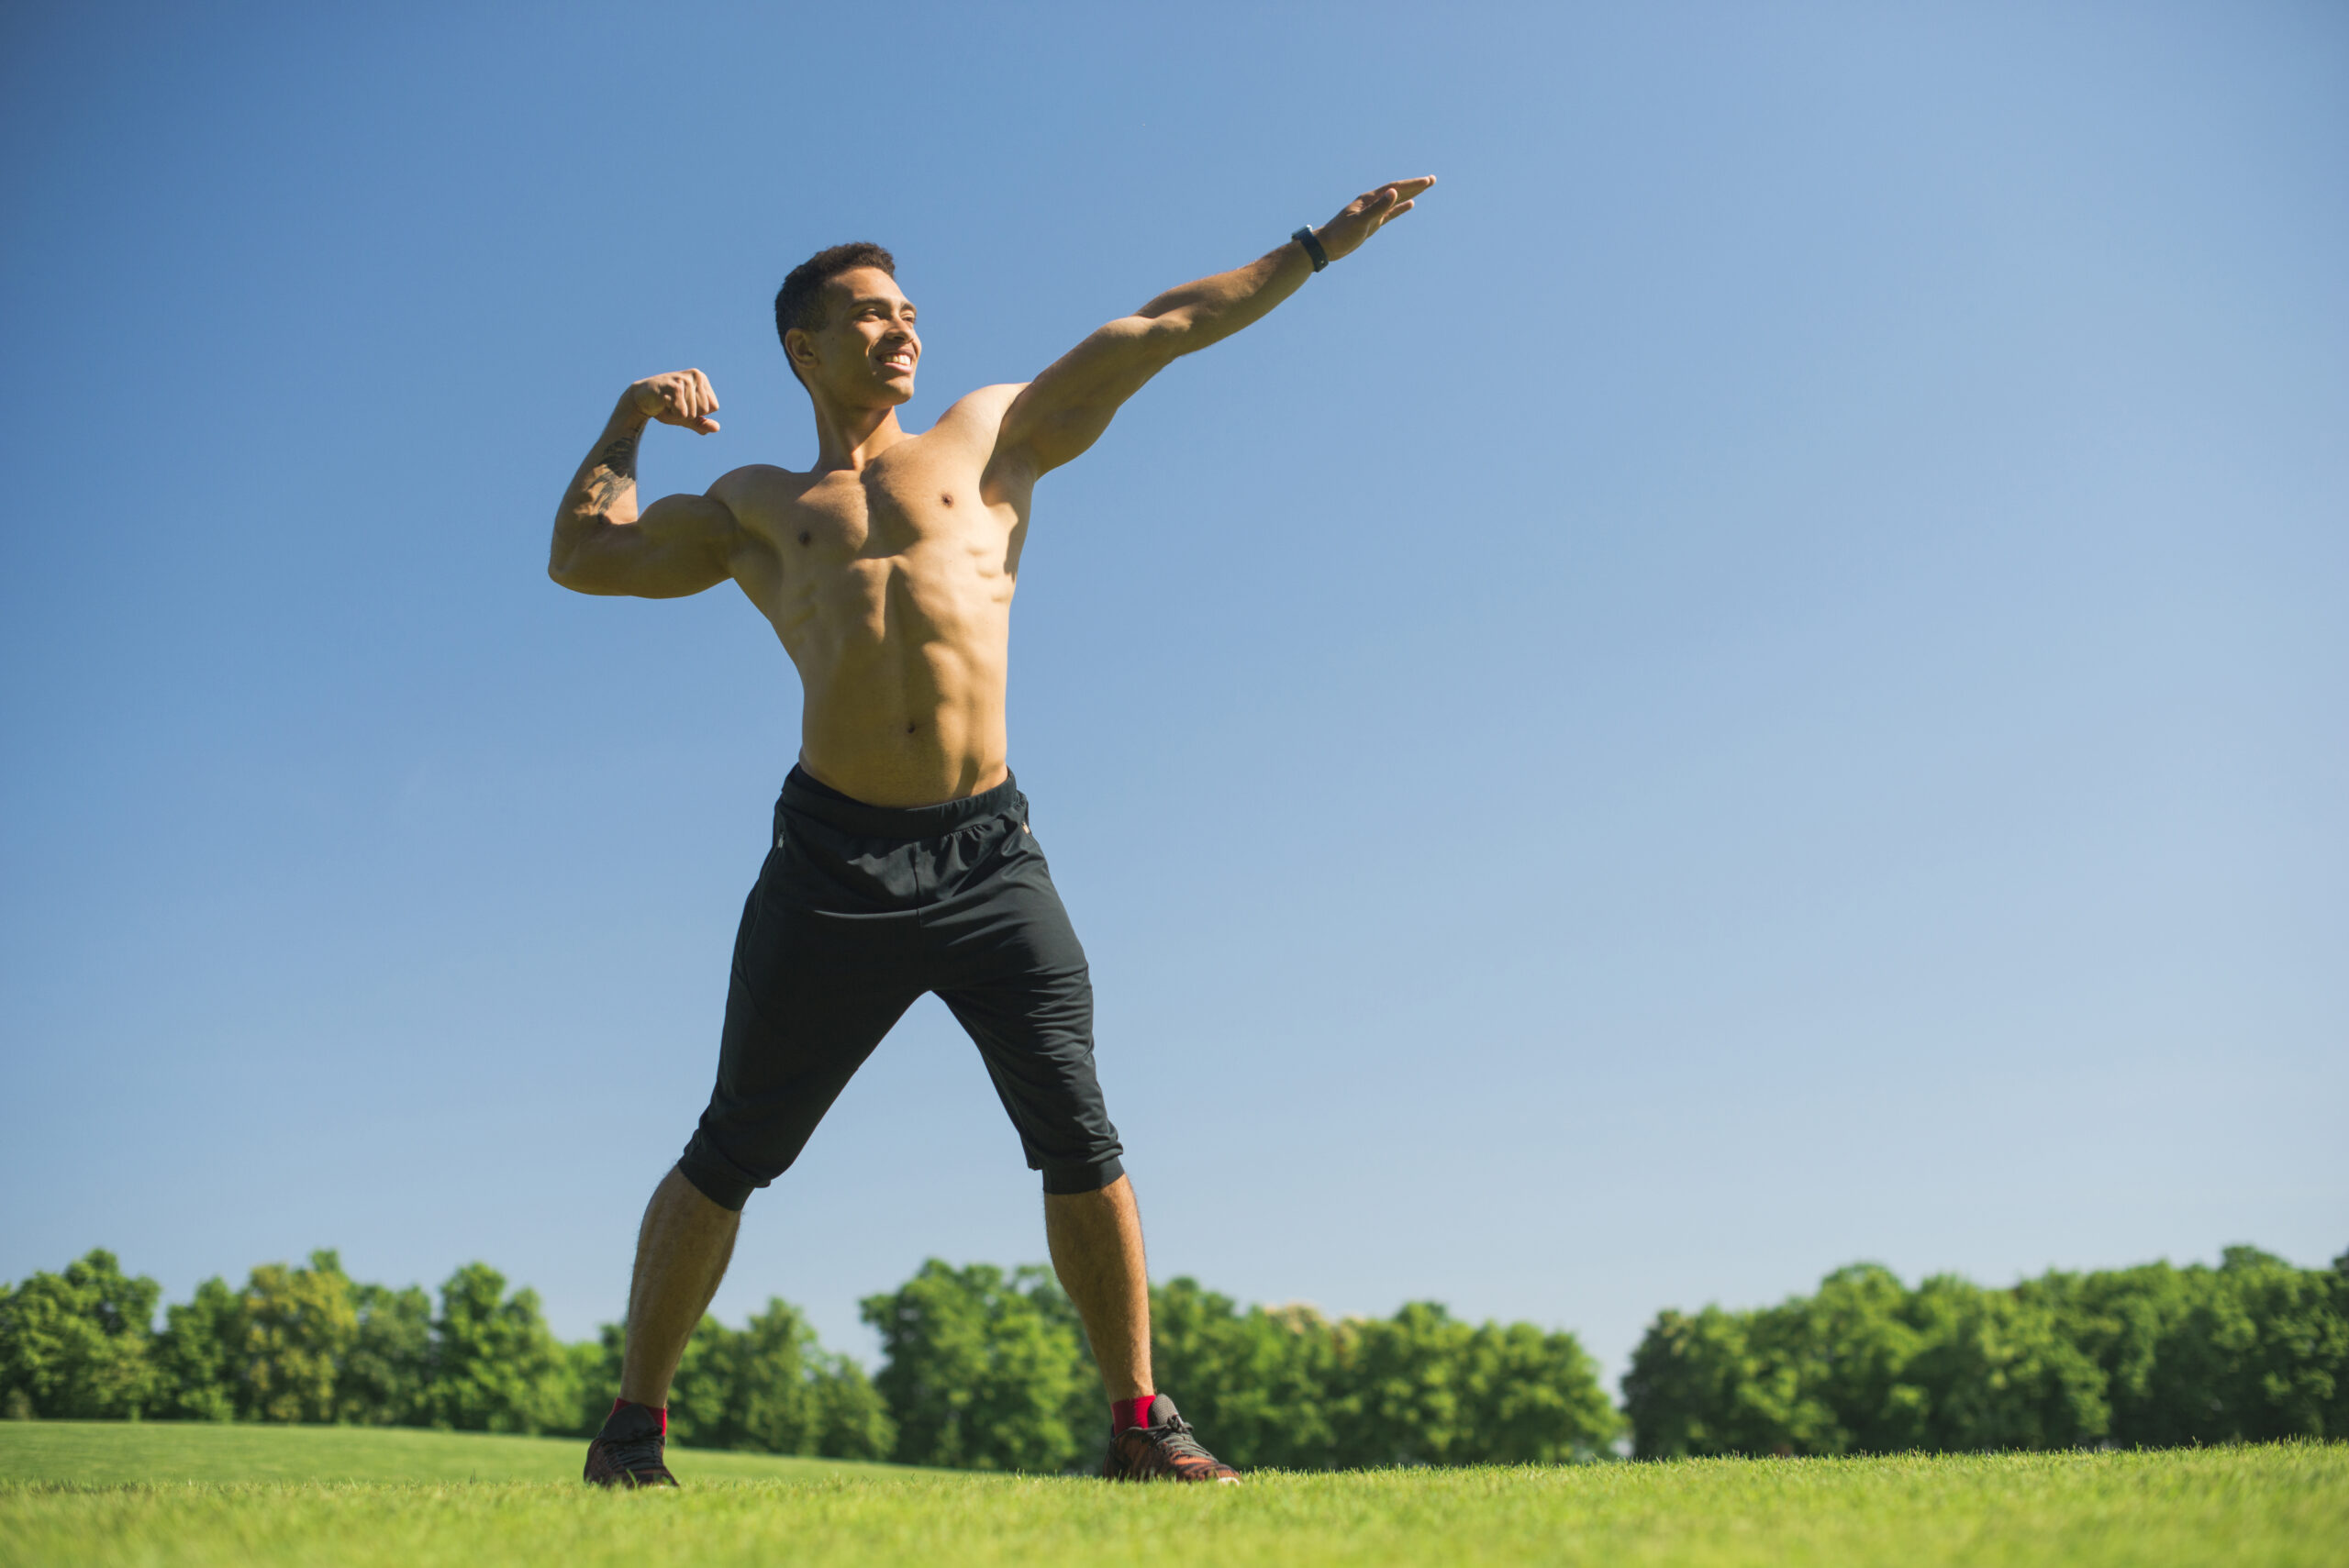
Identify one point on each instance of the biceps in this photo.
(1065, 409)
(680, 545)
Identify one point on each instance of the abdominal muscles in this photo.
(903, 660)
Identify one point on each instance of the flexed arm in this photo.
(1063, 411)
(678, 545)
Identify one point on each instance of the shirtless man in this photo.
(901, 861)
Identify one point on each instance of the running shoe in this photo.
(1164, 1450)
(627, 1453)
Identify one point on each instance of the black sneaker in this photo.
(627, 1453)
(1164, 1450)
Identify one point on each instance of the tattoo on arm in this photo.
(614, 473)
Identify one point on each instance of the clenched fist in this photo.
(681, 397)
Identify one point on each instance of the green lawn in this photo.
(118, 1454)
(159, 1494)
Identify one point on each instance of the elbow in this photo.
(570, 562)
(563, 569)
(1169, 337)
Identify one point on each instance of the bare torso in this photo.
(890, 586)
(887, 572)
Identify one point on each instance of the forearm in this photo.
(1211, 309)
(603, 492)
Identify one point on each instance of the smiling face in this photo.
(866, 351)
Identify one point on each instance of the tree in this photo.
(196, 1355)
(766, 1388)
(387, 1370)
(1532, 1396)
(297, 1327)
(1998, 1371)
(985, 1370)
(1424, 1388)
(495, 1367)
(76, 1345)
(791, 1398)
(1258, 1380)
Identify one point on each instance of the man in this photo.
(902, 863)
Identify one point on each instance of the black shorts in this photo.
(859, 910)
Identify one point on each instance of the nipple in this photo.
(805, 536)
(946, 497)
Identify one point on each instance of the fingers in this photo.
(1396, 194)
(691, 401)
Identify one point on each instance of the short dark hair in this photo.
(799, 303)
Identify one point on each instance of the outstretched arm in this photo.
(678, 545)
(1065, 409)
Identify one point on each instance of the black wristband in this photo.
(1312, 246)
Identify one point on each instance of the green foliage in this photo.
(2157, 1356)
(986, 1369)
(304, 1344)
(765, 1389)
(495, 1365)
(294, 1327)
(387, 1367)
(195, 1353)
(1258, 1382)
(79, 1345)
(1285, 1387)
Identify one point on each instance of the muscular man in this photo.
(902, 862)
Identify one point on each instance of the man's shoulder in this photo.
(755, 480)
(760, 495)
(979, 411)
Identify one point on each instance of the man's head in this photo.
(846, 329)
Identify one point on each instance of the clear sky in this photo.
(1759, 683)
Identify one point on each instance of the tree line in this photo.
(2253, 1350)
(984, 1368)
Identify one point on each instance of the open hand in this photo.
(1367, 213)
(681, 397)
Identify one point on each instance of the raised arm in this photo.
(1064, 410)
(678, 545)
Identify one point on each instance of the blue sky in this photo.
(1760, 684)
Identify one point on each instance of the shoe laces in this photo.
(635, 1453)
(1175, 1438)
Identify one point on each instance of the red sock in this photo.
(659, 1411)
(1124, 1413)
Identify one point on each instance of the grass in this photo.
(120, 1453)
(159, 1494)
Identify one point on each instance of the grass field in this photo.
(72, 1493)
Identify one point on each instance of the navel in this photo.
(910, 729)
(805, 536)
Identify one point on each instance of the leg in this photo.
(1095, 1240)
(680, 1254)
(1018, 982)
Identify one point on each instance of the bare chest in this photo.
(842, 543)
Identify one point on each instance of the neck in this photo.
(847, 437)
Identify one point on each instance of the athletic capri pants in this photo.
(859, 910)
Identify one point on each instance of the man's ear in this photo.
(800, 350)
